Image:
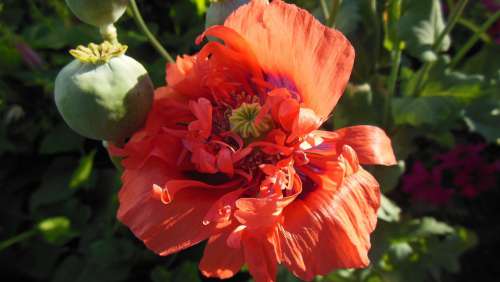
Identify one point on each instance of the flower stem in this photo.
(455, 15)
(152, 39)
(396, 63)
(330, 15)
(324, 9)
(423, 72)
(333, 13)
(475, 29)
(108, 33)
(18, 238)
(377, 31)
(394, 14)
(473, 40)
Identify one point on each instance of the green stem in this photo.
(18, 238)
(377, 30)
(455, 15)
(475, 29)
(152, 39)
(424, 71)
(450, 4)
(333, 13)
(396, 59)
(108, 33)
(473, 40)
(324, 9)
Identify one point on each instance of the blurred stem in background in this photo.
(473, 40)
(330, 14)
(475, 29)
(17, 239)
(395, 45)
(152, 39)
(377, 31)
(423, 72)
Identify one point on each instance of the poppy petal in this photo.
(260, 258)
(370, 143)
(164, 228)
(295, 49)
(330, 229)
(219, 260)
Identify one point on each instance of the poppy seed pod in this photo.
(103, 94)
(98, 12)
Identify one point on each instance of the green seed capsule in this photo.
(103, 94)
(98, 12)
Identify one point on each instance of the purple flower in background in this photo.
(469, 175)
(492, 5)
(472, 174)
(30, 56)
(425, 185)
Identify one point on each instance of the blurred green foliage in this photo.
(58, 203)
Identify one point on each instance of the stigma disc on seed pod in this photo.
(98, 12)
(103, 94)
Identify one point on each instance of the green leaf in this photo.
(60, 139)
(348, 17)
(430, 226)
(388, 176)
(56, 230)
(286, 276)
(188, 271)
(54, 187)
(454, 84)
(68, 270)
(445, 82)
(483, 117)
(83, 171)
(160, 274)
(485, 62)
(412, 250)
(437, 111)
(400, 251)
(420, 25)
(388, 210)
(357, 106)
(201, 6)
(108, 252)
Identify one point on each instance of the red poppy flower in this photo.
(231, 152)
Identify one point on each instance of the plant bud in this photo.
(103, 94)
(98, 12)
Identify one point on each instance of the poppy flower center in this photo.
(243, 121)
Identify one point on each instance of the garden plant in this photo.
(249, 140)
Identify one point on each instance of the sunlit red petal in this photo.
(289, 43)
(371, 144)
(260, 257)
(330, 229)
(219, 260)
(167, 229)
